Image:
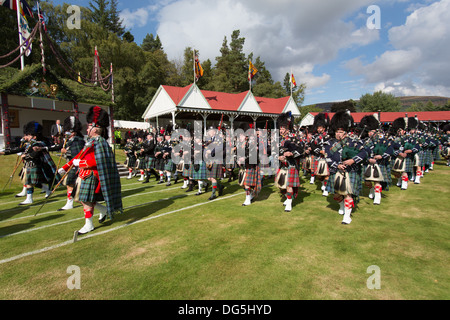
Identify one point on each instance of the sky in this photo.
(341, 49)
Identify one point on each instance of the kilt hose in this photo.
(292, 180)
(84, 190)
(199, 171)
(356, 178)
(253, 178)
(214, 171)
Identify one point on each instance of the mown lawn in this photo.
(173, 245)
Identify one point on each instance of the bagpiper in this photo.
(74, 144)
(98, 176)
(445, 142)
(38, 169)
(130, 152)
(379, 150)
(247, 160)
(405, 148)
(345, 161)
(140, 165)
(214, 165)
(317, 149)
(287, 178)
(148, 149)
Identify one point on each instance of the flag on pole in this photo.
(12, 5)
(97, 57)
(294, 84)
(251, 70)
(41, 16)
(198, 68)
(24, 30)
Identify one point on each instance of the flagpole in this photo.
(290, 80)
(193, 60)
(40, 36)
(22, 58)
(249, 77)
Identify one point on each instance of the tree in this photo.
(379, 101)
(100, 12)
(349, 105)
(150, 43)
(115, 23)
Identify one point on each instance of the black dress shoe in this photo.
(212, 197)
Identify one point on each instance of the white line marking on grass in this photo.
(26, 254)
(72, 220)
(44, 213)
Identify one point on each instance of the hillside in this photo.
(405, 101)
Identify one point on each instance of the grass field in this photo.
(170, 245)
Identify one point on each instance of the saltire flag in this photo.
(13, 6)
(198, 68)
(251, 70)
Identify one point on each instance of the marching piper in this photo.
(346, 156)
(98, 176)
(379, 150)
(75, 143)
(287, 179)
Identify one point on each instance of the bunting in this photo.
(13, 6)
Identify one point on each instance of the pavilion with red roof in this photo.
(182, 105)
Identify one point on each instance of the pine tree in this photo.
(115, 23)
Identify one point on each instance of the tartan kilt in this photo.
(187, 172)
(409, 167)
(215, 172)
(34, 176)
(131, 162)
(427, 157)
(142, 164)
(201, 173)
(292, 177)
(356, 178)
(253, 178)
(150, 163)
(159, 164)
(71, 177)
(314, 163)
(169, 166)
(435, 154)
(421, 155)
(85, 190)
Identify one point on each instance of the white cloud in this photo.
(136, 18)
(286, 34)
(420, 52)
